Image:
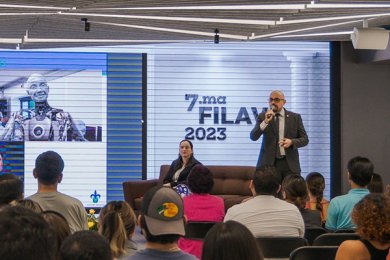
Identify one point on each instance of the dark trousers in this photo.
(283, 170)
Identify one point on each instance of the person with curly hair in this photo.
(372, 218)
(316, 185)
(294, 190)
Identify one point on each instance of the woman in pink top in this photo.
(200, 206)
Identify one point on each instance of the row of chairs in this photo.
(317, 244)
(324, 245)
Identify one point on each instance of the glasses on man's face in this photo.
(276, 100)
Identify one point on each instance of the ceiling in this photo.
(27, 24)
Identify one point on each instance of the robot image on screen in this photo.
(42, 123)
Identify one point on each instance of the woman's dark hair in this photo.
(58, 224)
(316, 185)
(180, 164)
(11, 188)
(376, 184)
(188, 141)
(200, 180)
(230, 241)
(296, 190)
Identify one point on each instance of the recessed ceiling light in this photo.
(184, 19)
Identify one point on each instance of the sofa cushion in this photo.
(231, 200)
(232, 180)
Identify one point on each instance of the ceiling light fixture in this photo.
(207, 34)
(10, 40)
(322, 19)
(269, 35)
(22, 14)
(34, 7)
(313, 34)
(345, 5)
(184, 19)
(214, 7)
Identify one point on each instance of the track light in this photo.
(216, 36)
(87, 25)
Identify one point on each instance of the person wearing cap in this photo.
(162, 223)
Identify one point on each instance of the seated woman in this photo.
(316, 186)
(230, 241)
(200, 205)
(181, 167)
(295, 191)
(117, 223)
(372, 218)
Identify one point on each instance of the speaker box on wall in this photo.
(370, 38)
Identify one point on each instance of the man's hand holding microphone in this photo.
(269, 114)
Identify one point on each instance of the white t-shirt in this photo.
(265, 215)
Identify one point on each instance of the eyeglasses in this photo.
(277, 100)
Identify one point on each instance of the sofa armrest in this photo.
(136, 189)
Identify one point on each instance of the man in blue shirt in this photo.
(360, 171)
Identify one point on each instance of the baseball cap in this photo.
(163, 210)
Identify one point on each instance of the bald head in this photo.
(277, 100)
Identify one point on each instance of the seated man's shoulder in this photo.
(341, 199)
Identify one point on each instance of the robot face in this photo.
(37, 88)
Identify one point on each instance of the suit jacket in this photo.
(293, 129)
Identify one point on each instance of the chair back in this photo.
(345, 231)
(314, 252)
(334, 239)
(279, 247)
(311, 233)
(198, 230)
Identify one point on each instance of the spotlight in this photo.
(87, 25)
(216, 36)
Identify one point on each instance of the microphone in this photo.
(274, 108)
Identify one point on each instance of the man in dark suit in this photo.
(283, 133)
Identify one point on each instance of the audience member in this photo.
(58, 224)
(200, 205)
(360, 171)
(387, 191)
(181, 167)
(316, 185)
(376, 184)
(117, 224)
(85, 245)
(24, 235)
(34, 206)
(266, 215)
(295, 191)
(162, 223)
(11, 188)
(230, 241)
(48, 170)
(1, 161)
(372, 218)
